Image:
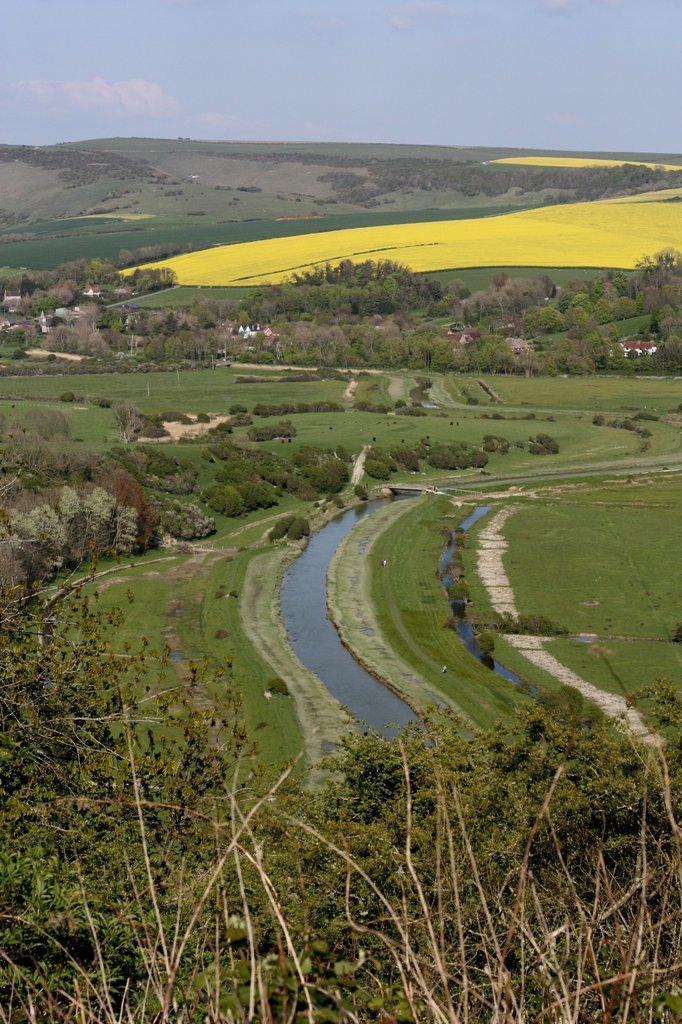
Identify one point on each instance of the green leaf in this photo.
(342, 968)
(669, 1001)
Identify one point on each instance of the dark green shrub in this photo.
(174, 417)
(67, 396)
(486, 642)
(299, 529)
(493, 443)
(543, 444)
(224, 498)
(377, 470)
(281, 528)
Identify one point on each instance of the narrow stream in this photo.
(465, 630)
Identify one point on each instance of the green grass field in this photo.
(599, 561)
(570, 546)
(589, 394)
(411, 607)
(582, 445)
(597, 568)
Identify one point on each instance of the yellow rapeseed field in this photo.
(574, 161)
(600, 234)
(662, 195)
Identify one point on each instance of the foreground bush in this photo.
(150, 871)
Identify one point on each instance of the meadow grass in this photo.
(186, 391)
(582, 445)
(411, 608)
(271, 723)
(183, 296)
(598, 568)
(589, 394)
(187, 610)
(596, 559)
(480, 278)
(621, 665)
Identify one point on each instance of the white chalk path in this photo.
(359, 467)
(349, 393)
(492, 547)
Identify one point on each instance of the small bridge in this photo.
(412, 489)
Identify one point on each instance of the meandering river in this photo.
(314, 638)
(315, 641)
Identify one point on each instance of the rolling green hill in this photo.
(100, 197)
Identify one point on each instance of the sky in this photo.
(591, 75)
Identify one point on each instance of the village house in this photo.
(518, 345)
(638, 348)
(67, 314)
(11, 300)
(93, 291)
(249, 330)
(465, 337)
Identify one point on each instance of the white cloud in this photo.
(135, 97)
(409, 14)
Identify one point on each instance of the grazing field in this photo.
(595, 235)
(527, 405)
(598, 560)
(188, 391)
(584, 394)
(597, 568)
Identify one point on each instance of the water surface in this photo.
(314, 638)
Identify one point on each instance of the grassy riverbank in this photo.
(394, 616)
(320, 721)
